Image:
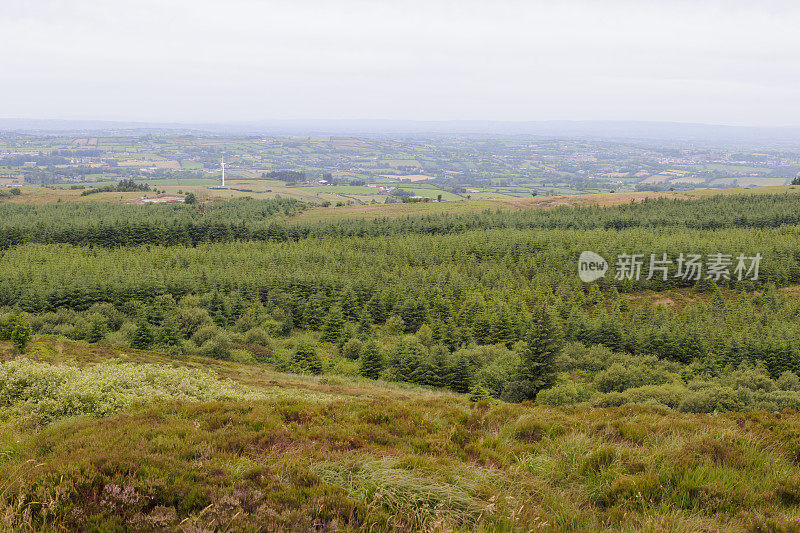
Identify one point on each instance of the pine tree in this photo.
(502, 328)
(479, 394)
(438, 360)
(169, 334)
(376, 310)
(142, 336)
(371, 361)
(413, 314)
(218, 310)
(425, 335)
(306, 357)
(97, 331)
(482, 330)
(595, 297)
(458, 378)
(334, 325)
(450, 335)
(537, 369)
(364, 324)
(350, 305)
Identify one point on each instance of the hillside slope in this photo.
(289, 452)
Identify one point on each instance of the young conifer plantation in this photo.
(233, 367)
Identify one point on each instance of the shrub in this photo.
(669, 394)
(753, 378)
(207, 333)
(613, 378)
(788, 381)
(395, 325)
(192, 319)
(780, 399)
(22, 334)
(710, 400)
(352, 349)
(258, 336)
(7, 324)
(242, 356)
(43, 392)
(216, 348)
(106, 310)
(565, 393)
(637, 372)
(577, 356)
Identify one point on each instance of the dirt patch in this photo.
(666, 302)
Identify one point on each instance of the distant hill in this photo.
(606, 129)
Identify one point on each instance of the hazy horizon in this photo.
(727, 63)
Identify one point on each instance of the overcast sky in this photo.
(244, 60)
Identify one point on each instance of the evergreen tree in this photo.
(438, 360)
(595, 297)
(350, 305)
(479, 394)
(142, 336)
(364, 324)
(459, 375)
(97, 331)
(502, 328)
(376, 309)
(413, 314)
(307, 358)
(425, 335)
(169, 334)
(334, 325)
(218, 309)
(371, 361)
(537, 368)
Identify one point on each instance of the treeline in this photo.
(128, 185)
(284, 175)
(115, 225)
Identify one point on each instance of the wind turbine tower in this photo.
(223, 171)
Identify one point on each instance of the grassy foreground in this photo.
(277, 452)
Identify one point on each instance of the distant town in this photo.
(373, 170)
